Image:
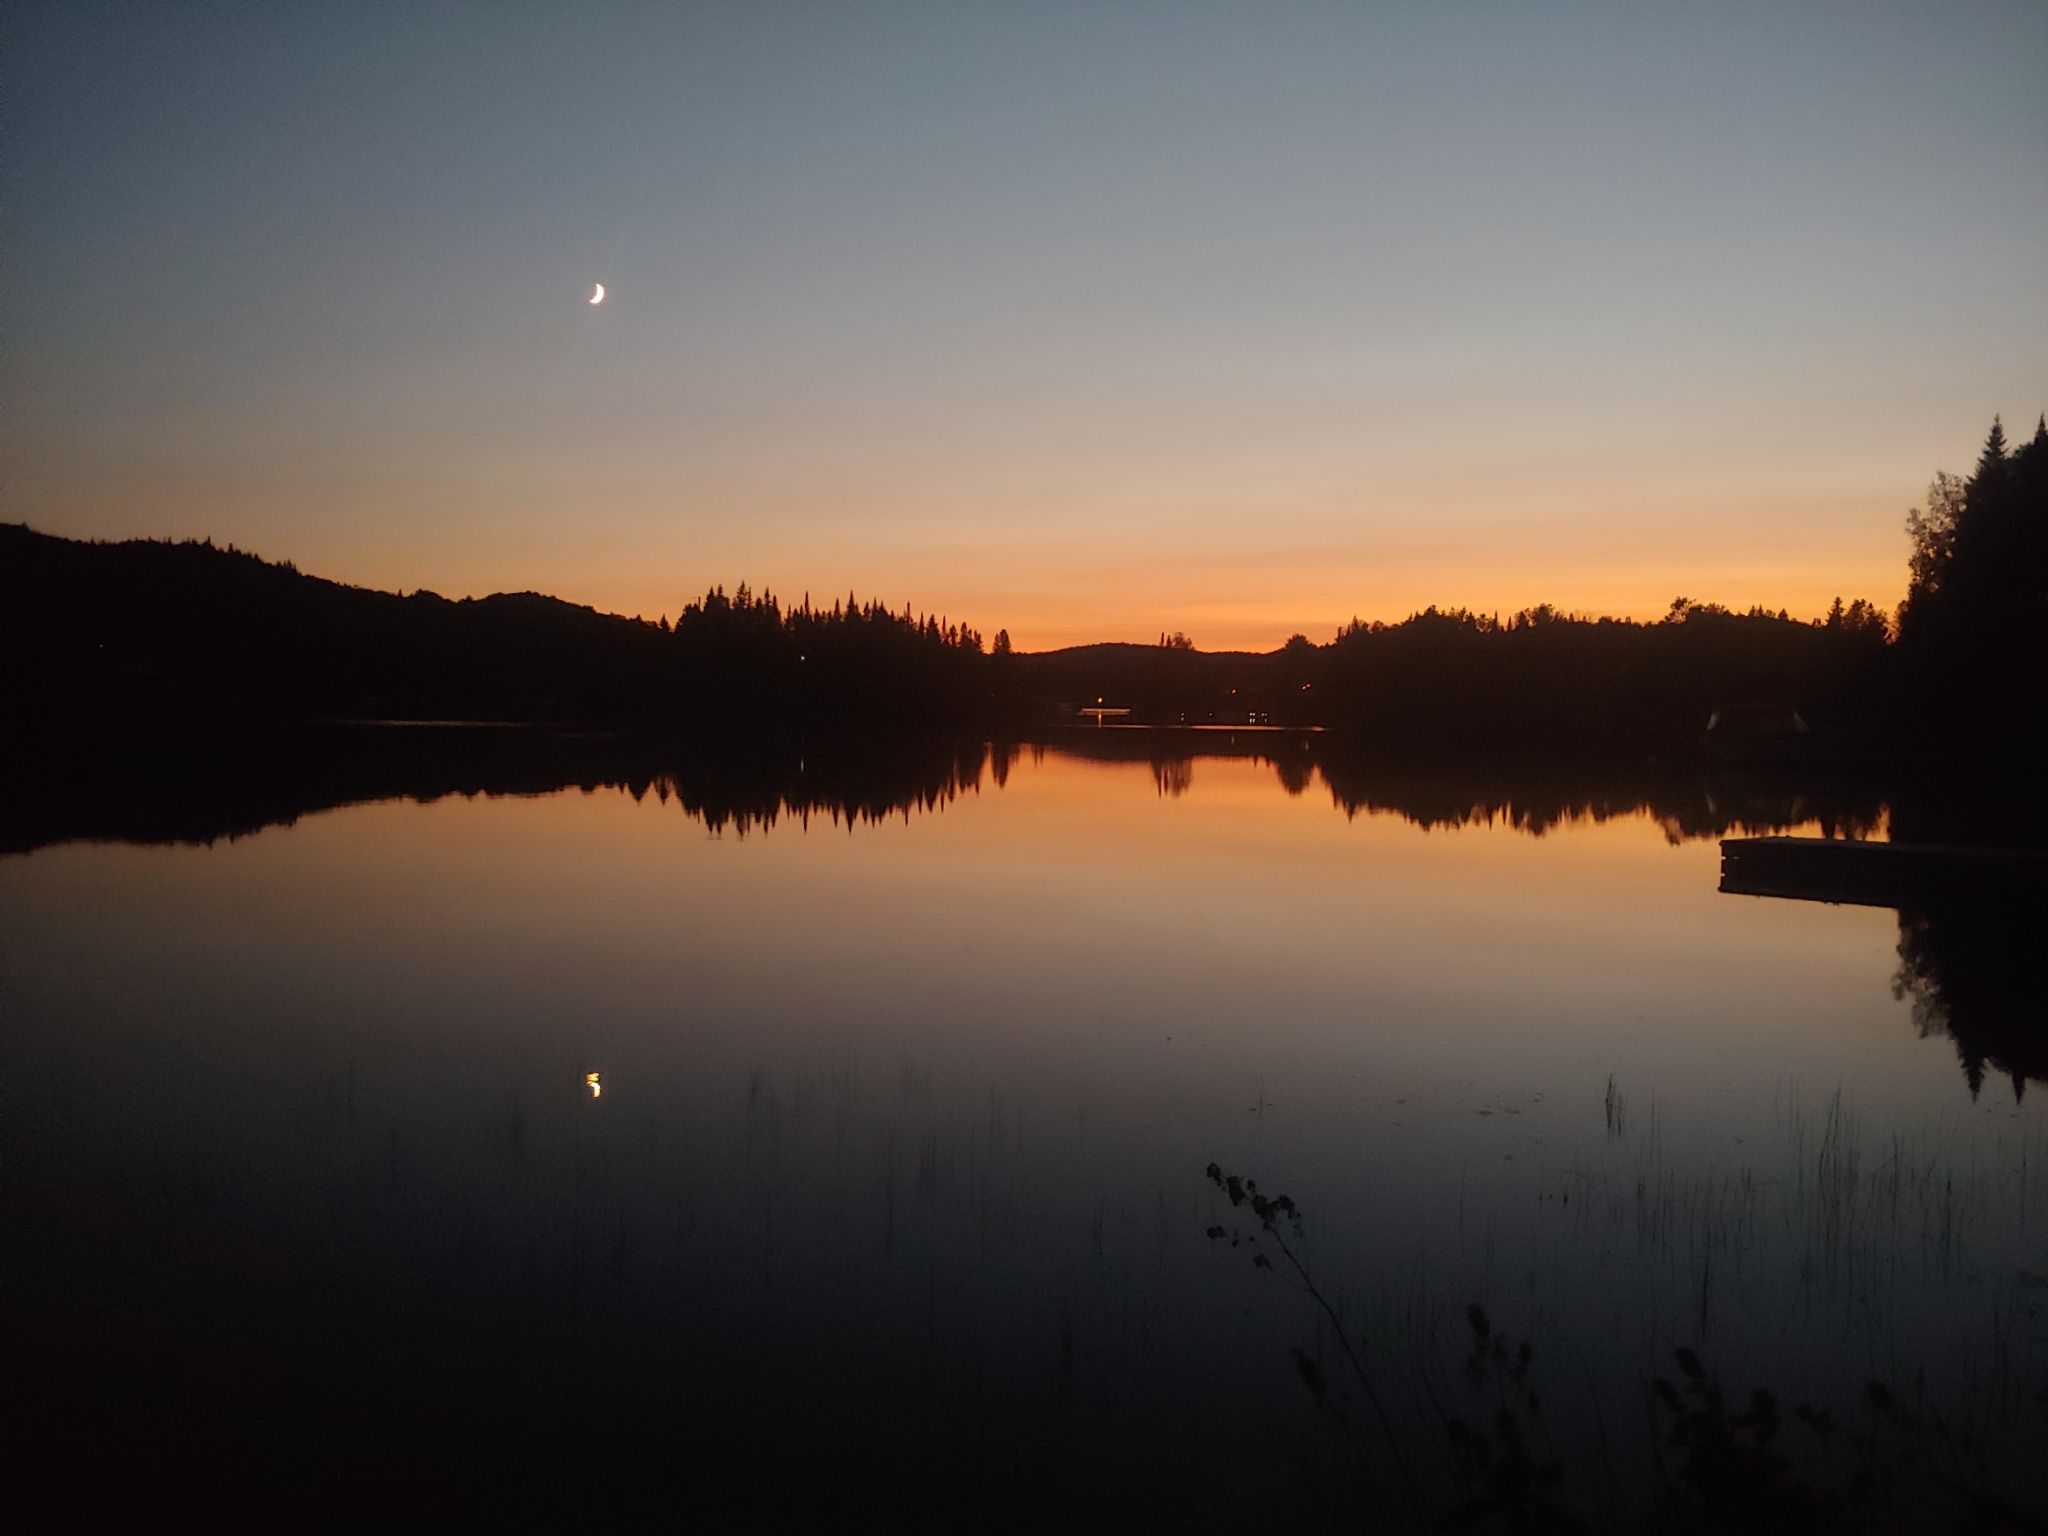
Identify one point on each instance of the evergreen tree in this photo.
(1976, 615)
(1992, 461)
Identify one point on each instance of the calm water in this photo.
(700, 1141)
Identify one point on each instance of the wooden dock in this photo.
(1850, 872)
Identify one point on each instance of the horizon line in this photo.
(1497, 613)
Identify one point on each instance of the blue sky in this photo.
(1086, 320)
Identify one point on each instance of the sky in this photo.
(1085, 320)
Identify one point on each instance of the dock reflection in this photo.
(1970, 921)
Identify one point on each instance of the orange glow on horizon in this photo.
(1253, 604)
(1583, 335)
(1231, 583)
(1137, 615)
(1235, 581)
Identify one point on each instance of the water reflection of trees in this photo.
(200, 792)
(1537, 800)
(1533, 796)
(1969, 968)
(844, 789)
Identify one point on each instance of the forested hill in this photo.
(192, 631)
(191, 627)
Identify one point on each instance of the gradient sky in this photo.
(1090, 320)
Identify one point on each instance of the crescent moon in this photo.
(597, 296)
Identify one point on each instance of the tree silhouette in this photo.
(1974, 630)
(194, 632)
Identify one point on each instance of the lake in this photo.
(807, 1137)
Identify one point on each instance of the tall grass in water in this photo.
(1872, 1295)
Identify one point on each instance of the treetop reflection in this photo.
(225, 792)
(232, 790)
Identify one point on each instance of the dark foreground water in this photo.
(799, 1143)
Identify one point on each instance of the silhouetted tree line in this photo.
(745, 657)
(1973, 631)
(194, 632)
(1552, 680)
(190, 630)
(1540, 680)
(1961, 674)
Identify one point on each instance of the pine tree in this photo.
(1993, 457)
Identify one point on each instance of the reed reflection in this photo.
(908, 1110)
